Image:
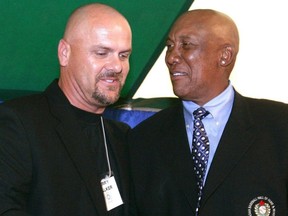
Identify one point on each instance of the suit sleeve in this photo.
(15, 165)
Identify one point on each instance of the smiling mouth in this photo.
(177, 74)
(110, 80)
(110, 77)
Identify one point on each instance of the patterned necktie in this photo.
(200, 150)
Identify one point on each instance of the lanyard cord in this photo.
(106, 149)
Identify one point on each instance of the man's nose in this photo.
(115, 64)
(172, 57)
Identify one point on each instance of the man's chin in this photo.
(106, 99)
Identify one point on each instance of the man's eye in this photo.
(101, 53)
(124, 55)
(169, 46)
(187, 45)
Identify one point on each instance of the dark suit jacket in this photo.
(249, 169)
(45, 166)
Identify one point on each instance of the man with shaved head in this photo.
(58, 156)
(216, 152)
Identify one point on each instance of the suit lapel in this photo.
(84, 162)
(232, 146)
(70, 134)
(178, 157)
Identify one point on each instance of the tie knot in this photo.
(200, 113)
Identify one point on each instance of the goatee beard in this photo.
(105, 100)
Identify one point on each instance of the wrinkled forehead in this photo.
(206, 24)
(196, 20)
(188, 27)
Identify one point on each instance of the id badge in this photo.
(111, 193)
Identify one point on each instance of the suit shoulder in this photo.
(120, 126)
(268, 113)
(23, 101)
(25, 104)
(160, 118)
(267, 107)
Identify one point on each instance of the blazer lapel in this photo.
(232, 146)
(178, 156)
(70, 133)
(84, 162)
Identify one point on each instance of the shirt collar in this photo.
(215, 106)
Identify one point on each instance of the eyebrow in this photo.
(100, 47)
(185, 37)
(180, 37)
(129, 51)
(108, 48)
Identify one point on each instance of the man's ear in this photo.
(226, 56)
(63, 52)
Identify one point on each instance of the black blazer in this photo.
(249, 169)
(45, 168)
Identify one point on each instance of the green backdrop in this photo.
(31, 29)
